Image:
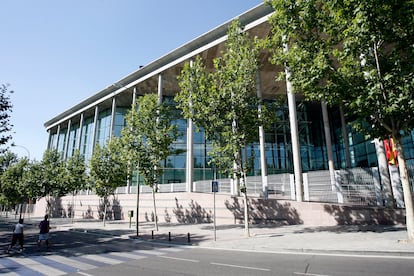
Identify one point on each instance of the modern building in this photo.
(295, 148)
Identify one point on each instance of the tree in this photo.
(224, 103)
(147, 140)
(12, 190)
(46, 178)
(76, 177)
(107, 170)
(358, 54)
(5, 110)
(6, 160)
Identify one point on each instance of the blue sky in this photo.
(56, 53)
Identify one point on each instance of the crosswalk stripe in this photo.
(102, 259)
(128, 255)
(171, 249)
(39, 267)
(72, 262)
(149, 252)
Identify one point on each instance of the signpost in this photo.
(214, 189)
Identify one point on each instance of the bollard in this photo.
(169, 236)
(188, 238)
(152, 234)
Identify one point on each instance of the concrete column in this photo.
(78, 140)
(387, 192)
(113, 111)
(65, 146)
(160, 89)
(57, 137)
(134, 95)
(263, 165)
(189, 165)
(345, 136)
(95, 127)
(50, 138)
(328, 140)
(297, 162)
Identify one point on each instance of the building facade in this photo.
(298, 140)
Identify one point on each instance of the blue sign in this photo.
(214, 186)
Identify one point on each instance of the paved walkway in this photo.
(367, 240)
(294, 238)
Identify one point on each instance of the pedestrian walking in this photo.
(18, 235)
(44, 228)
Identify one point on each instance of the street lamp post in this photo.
(23, 147)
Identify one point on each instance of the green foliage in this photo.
(47, 177)
(354, 53)
(76, 178)
(107, 169)
(6, 160)
(148, 137)
(12, 189)
(224, 102)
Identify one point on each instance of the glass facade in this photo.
(72, 140)
(86, 141)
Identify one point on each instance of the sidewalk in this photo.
(367, 240)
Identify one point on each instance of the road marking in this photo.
(102, 259)
(71, 261)
(39, 267)
(128, 255)
(350, 255)
(243, 267)
(83, 273)
(309, 274)
(180, 259)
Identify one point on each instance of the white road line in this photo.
(102, 259)
(243, 267)
(83, 273)
(180, 259)
(39, 267)
(171, 249)
(149, 252)
(350, 255)
(309, 274)
(128, 255)
(71, 262)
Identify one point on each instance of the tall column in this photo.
(95, 127)
(293, 121)
(384, 172)
(78, 140)
(345, 136)
(263, 165)
(189, 164)
(65, 146)
(113, 111)
(328, 140)
(57, 137)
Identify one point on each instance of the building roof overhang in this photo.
(249, 19)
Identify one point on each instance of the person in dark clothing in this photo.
(44, 228)
(18, 235)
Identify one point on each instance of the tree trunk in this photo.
(408, 199)
(155, 208)
(104, 215)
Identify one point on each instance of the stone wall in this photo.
(199, 208)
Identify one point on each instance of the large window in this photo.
(103, 130)
(86, 144)
(73, 136)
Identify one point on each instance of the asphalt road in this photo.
(99, 252)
